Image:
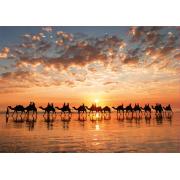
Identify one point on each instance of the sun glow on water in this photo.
(97, 115)
(97, 127)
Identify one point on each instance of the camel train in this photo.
(82, 109)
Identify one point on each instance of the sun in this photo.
(96, 100)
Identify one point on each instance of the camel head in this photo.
(10, 107)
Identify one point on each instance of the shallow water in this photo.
(94, 133)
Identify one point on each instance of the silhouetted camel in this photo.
(48, 109)
(168, 108)
(80, 109)
(147, 108)
(137, 108)
(16, 109)
(92, 108)
(31, 107)
(106, 109)
(158, 108)
(65, 108)
(119, 108)
(99, 109)
(128, 108)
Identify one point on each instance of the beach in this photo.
(90, 133)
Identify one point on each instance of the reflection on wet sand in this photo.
(90, 132)
(94, 117)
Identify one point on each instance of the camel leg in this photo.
(13, 113)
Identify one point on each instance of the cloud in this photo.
(136, 33)
(64, 36)
(177, 56)
(131, 60)
(147, 34)
(47, 29)
(4, 53)
(110, 83)
(74, 59)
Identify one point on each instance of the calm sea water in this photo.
(94, 133)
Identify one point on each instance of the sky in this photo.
(112, 65)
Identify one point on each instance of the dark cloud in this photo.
(110, 83)
(148, 34)
(131, 60)
(177, 56)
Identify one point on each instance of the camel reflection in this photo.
(65, 120)
(159, 119)
(168, 117)
(137, 117)
(96, 117)
(107, 116)
(147, 118)
(49, 121)
(17, 119)
(129, 116)
(120, 116)
(82, 117)
(49, 125)
(30, 125)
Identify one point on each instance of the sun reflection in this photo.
(97, 127)
(97, 115)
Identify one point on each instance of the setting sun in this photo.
(96, 100)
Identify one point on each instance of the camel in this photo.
(106, 109)
(168, 108)
(119, 108)
(158, 108)
(128, 108)
(92, 108)
(80, 109)
(146, 108)
(99, 109)
(32, 108)
(48, 109)
(16, 109)
(137, 108)
(64, 109)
